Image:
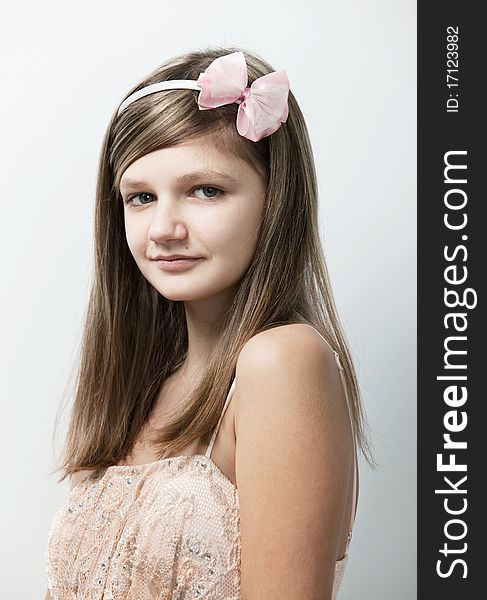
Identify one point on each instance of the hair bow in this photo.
(263, 105)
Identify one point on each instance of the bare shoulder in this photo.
(297, 342)
(284, 359)
(293, 367)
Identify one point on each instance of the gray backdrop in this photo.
(65, 68)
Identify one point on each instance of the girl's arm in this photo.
(294, 455)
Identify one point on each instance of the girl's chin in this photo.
(191, 292)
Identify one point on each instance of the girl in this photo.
(212, 446)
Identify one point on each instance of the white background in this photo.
(64, 69)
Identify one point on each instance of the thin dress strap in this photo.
(355, 470)
(213, 437)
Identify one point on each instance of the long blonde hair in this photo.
(134, 338)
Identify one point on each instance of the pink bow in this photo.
(263, 106)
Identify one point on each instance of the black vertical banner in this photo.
(452, 340)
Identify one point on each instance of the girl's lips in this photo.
(176, 264)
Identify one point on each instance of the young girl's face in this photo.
(196, 201)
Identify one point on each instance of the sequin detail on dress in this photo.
(166, 530)
(169, 529)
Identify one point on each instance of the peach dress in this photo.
(164, 530)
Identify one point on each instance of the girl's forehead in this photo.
(195, 157)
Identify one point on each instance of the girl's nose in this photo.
(167, 221)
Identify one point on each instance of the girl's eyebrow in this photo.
(127, 183)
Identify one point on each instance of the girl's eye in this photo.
(132, 196)
(213, 191)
